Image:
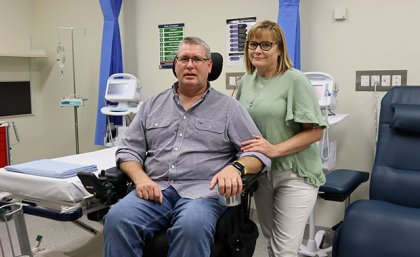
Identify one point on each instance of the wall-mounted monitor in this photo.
(15, 98)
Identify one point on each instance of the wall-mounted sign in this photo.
(236, 30)
(169, 37)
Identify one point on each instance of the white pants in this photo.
(284, 203)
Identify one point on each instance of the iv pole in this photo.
(75, 105)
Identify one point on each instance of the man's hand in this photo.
(149, 190)
(228, 180)
(145, 187)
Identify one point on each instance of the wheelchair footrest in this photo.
(341, 183)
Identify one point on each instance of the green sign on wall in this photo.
(169, 37)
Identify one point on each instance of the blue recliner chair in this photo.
(388, 224)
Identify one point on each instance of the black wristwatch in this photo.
(240, 166)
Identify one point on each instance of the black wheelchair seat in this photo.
(236, 234)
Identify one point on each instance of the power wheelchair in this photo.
(236, 234)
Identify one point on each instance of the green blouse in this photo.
(278, 106)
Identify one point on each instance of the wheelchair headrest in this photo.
(406, 118)
(216, 70)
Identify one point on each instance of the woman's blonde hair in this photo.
(272, 30)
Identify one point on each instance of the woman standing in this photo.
(283, 104)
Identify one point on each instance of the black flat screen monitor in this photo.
(15, 98)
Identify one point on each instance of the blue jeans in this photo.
(132, 221)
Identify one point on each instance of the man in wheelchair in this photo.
(182, 152)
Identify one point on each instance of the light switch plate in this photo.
(232, 79)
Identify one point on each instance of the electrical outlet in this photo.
(396, 80)
(365, 80)
(386, 80)
(374, 80)
(383, 79)
(232, 79)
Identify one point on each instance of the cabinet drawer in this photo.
(2, 134)
(3, 158)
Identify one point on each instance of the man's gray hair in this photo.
(195, 41)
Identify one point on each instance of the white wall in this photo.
(59, 122)
(49, 132)
(376, 35)
(20, 14)
(17, 30)
(206, 20)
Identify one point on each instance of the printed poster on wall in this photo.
(169, 37)
(236, 30)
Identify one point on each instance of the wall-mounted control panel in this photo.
(232, 79)
(383, 79)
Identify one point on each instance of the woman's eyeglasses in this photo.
(264, 45)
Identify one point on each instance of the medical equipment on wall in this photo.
(123, 89)
(72, 100)
(123, 93)
(326, 90)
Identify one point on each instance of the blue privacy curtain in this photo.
(111, 59)
(289, 20)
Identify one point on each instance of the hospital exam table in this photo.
(58, 199)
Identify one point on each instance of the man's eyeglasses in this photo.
(264, 45)
(195, 60)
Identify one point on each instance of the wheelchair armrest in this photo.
(112, 184)
(113, 181)
(109, 186)
(114, 174)
(249, 182)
